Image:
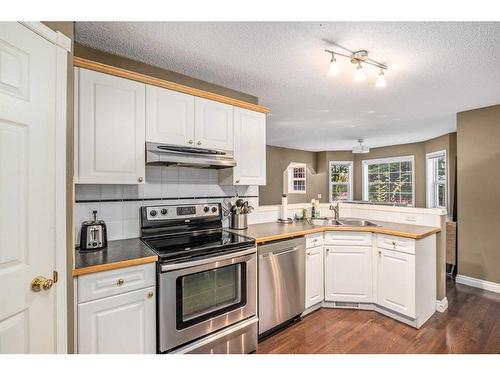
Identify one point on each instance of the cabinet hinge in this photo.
(55, 276)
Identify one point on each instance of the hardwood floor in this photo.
(470, 325)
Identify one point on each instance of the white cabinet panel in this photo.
(108, 283)
(405, 245)
(122, 324)
(396, 281)
(213, 124)
(169, 117)
(314, 276)
(314, 240)
(249, 147)
(348, 273)
(110, 122)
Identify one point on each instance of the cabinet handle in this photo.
(327, 251)
(308, 253)
(150, 294)
(393, 243)
(237, 181)
(140, 179)
(120, 282)
(190, 142)
(379, 252)
(198, 143)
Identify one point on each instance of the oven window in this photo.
(206, 294)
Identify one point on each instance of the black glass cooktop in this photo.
(186, 246)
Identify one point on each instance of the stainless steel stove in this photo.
(207, 280)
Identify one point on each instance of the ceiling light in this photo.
(359, 59)
(360, 149)
(381, 81)
(360, 75)
(333, 67)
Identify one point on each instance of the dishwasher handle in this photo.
(281, 252)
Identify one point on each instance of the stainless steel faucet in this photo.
(335, 210)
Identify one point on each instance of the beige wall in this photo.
(154, 71)
(277, 162)
(278, 159)
(68, 29)
(478, 150)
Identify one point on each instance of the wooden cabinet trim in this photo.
(139, 77)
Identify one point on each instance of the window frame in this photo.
(291, 178)
(430, 192)
(350, 184)
(365, 163)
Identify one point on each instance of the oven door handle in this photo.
(177, 266)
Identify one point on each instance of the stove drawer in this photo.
(109, 283)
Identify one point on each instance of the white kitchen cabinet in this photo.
(348, 273)
(109, 129)
(396, 281)
(116, 311)
(249, 150)
(121, 324)
(169, 117)
(213, 124)
(314, 276)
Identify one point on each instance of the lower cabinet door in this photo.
(348, 274)
(396, 281)
(314, 276)
(122, 324)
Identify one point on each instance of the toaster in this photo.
(93, 234)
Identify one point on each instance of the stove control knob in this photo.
(153, 213)
(214, 209)
(205, 209)
(164, 211)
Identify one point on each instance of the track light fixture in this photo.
(360, 59)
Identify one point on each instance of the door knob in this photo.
(150, 294)
(40, 282)
(140, 179)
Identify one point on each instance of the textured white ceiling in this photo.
(435, 70)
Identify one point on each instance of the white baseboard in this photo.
(442, 305)
(478, 283)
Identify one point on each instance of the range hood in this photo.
(165, 154)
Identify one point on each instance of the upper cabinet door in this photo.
(169, 117)
(110, 121)
(249, 147)
(213, 124)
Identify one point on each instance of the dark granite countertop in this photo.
(118, 254)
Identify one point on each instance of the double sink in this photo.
(323, 221)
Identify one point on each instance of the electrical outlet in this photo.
(319, 196)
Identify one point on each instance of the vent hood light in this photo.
(360, 149)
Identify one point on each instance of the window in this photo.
(340, 180)
(436, 180)
(389, 180)
(295, 176)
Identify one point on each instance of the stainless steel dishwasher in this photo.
(281, 282)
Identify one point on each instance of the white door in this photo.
(314, 276)
(213, 124)
(249, 147)
(32, 190)
(169, 117)
(348, 274)
(396, 281)
(122, 324)
(110, 120)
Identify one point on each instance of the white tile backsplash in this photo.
(122, 217)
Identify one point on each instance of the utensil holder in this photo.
(238, 221)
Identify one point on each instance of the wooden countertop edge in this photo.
(381, 230)
(114, 265)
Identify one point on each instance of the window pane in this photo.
(340, 192)
(299, 185)
(390, 182)
(441, 195)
